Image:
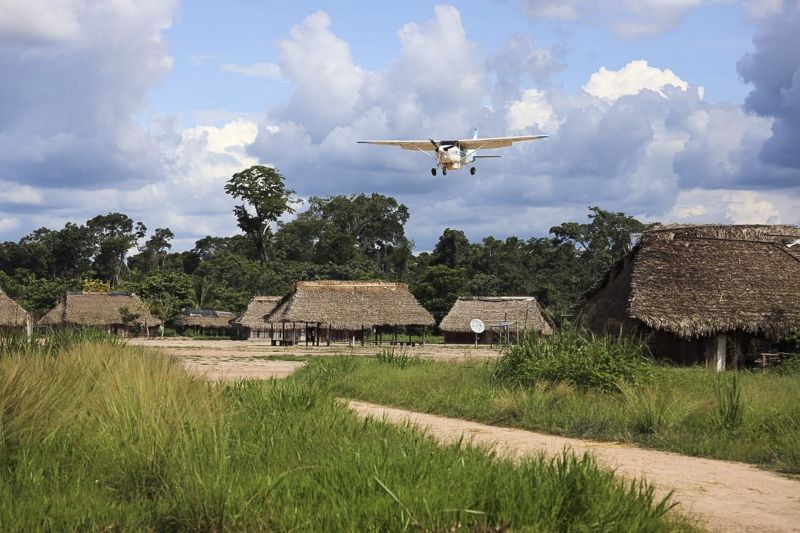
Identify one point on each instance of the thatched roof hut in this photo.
(98, 309)
(254, 317)
(12, 315)
(350, 305)
(698, 281)
(204, 319)
(518, 313)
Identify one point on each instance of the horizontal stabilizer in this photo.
(486, 156)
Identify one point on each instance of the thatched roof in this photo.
(524, 311)
(699, 280)
(204, 318)
(254, 316)
(11, 313)
(351, 305)
(97, 309)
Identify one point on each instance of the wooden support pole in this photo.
(362, 335)
(722, 349)
(329, 335)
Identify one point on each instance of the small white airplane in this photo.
(456, 154)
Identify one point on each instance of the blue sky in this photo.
(676, 111)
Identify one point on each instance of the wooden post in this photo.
(305, 329)
(722, 348)
(317, 334)
(294, 333)
(329, 334)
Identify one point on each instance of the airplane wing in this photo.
(425, 146)
(496, 142)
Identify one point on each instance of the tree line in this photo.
(351, 237)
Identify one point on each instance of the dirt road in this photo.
(725, 496)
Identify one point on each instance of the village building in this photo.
(505, 318)
(13, 318)
(333, 311)
(204, 322)
(119, 313)
(253, 323)
(703, 294)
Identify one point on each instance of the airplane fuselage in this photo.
(452, 157)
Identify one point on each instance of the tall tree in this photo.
(264, 199)
(452, 249)
(115, 234)
(347, 229)
(603, 241)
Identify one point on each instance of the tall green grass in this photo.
(111, 437)
(677, 409)
(574, 356)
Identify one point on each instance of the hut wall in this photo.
(608, 310)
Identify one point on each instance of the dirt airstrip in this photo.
(725, 496)
(230, 360)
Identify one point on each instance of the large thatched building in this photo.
(121, 313)
(12, 316)
(204, 322)
(506, 318)
(339, 310)
(703, 294)
(253, 323)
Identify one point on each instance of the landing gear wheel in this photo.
(444, 172)
(433, 171)
(473, 170)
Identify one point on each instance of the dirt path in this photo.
(725, 496)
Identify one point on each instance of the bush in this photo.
(577, 357)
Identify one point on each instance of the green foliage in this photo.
(114, 437)
(730, 404)
(264, 199)
(36, 295)
(577, 357)
(390, 356)
(438, 289)
(654, 411)
(165, 292)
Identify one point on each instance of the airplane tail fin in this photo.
(475, 134)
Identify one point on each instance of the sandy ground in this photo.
(725, 496)
(231, 360)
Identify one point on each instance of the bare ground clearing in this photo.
(725, 496)
(231, 360)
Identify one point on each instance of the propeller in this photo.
(435, 144)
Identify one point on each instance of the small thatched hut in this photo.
(506, 318)
(102, 310)
(204, 321)
(12, 316)
(707, 294)
(345, 309)
(253, 323)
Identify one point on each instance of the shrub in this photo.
(577, 357)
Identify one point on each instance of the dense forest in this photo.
(337, 237)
